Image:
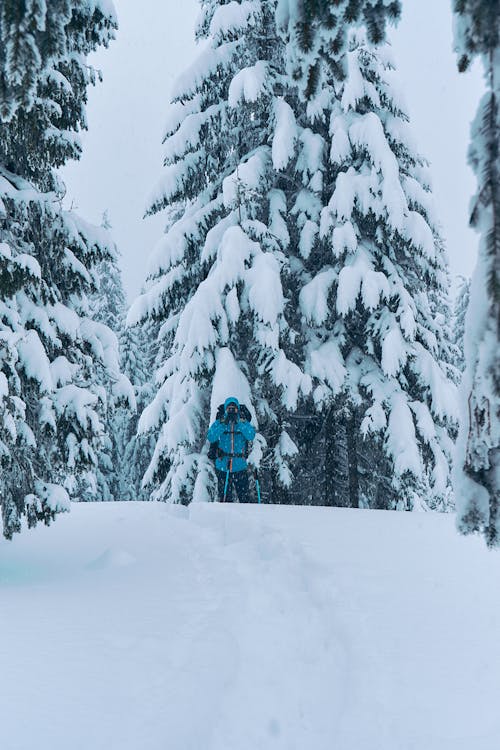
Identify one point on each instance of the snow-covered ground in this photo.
(134, 626)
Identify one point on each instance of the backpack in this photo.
(213, 451)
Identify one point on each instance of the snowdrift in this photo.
(140, 626)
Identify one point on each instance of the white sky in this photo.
(122, 156)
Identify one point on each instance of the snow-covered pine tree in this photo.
(108, 302)
(139, 358)
(306, 24)
(108, 306)
(375, 297)
(215, 281)
(51, 413)
(462, 300)
(477, 470)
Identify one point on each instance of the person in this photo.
(231, 431)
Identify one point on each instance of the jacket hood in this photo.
(231, 400)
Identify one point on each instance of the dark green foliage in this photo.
(482, 29)
(43, 83)
(484, 156)
(355, 451)
(461, 304)
(311, 21)
(477, 34)
(50, 409)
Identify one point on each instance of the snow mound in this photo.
(248, 628)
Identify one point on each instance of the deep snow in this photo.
(141, 626)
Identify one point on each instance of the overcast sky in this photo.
(122, 157)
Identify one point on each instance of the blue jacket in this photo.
(232, 439)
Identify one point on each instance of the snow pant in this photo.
(238, 481)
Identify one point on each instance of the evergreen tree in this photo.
(51, 412)
(215, 285)
(319, 294)
(139, 359)
(477, 484)
(307, 23)
(108, 306)
(461, 305)
(374, 284)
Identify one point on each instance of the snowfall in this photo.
(144, 626)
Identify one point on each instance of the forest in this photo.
(254, 505)
(302, 271)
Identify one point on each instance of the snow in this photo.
(313, 298)
(187, 137)
(235, 252)
(350, 280)
(104, 343)
(306, 205)
(357, 87)
(176, 113)
(30, 264)
(247, 177)
(169, 187)
(477, 444)
(248, 84)
(150, 301)
(342, 200)
(290, 380)
(327, 364)
(344, 239)
(142, 625)
(234, 17)
(215, 235)
(340, 148)
(444, 398)
(62, 371)
(265, 293)
(123, 391)
(207, 63)
(65, 319)
(73, 400)
(75, 265)
(401, 440)
(285, 135)
(367, 133)
(106, 7)
(418, 231)
(229, 380)
(308, 235)
(310, 160)
(394, 352)
(232, 305)
(34, 361)
(4, 386)
(54, 495)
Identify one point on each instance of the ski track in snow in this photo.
(139, 626)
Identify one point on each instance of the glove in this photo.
(245, 413)
(220, 413)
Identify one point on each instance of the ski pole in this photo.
(226, 485)
(257, 486)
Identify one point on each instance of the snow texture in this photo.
(242, 627)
